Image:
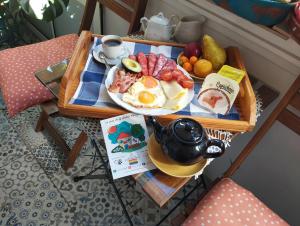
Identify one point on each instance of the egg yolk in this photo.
(149, 82)
(146, 97)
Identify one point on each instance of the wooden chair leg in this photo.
(57, 137)
(48, 108)
(71, 154)
(74, 152)
(40, 123)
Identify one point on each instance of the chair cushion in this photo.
(227, 203)
(20, 88)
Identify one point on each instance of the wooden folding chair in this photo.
(227, 203)
(130, 10)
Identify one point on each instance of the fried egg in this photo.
(145, 93)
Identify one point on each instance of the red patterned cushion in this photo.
(20, 88)
(230, 204)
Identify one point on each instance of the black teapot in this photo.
(185, 141)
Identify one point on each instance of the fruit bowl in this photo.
(195, 77)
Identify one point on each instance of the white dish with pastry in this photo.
(150, 85)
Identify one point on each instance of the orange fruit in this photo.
(183, 59)
(193, 60)
(188, 66)
(202, 68)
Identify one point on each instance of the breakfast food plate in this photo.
(98, 49)
(153, 108)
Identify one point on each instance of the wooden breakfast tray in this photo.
(245, 102)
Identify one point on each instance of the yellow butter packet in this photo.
(232, 73)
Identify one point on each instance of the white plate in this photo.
(117, 97)
(110, 61)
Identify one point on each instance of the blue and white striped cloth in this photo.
(92, 91)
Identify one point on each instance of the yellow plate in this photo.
(169, 166)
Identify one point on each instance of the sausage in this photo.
(170, 65)
(161, 61)
(142, 59)
(132, 57)
(152, 58)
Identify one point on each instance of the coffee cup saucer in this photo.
(111, 61)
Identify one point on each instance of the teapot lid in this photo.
(160, 19)
(188, 130)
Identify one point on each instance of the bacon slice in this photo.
(132, 57)
(122, 81)
(127, 82)
(161, 61)
(152, 58)
(116, 84)
(142, 59)
(139, 75)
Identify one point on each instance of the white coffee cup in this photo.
(112, 46)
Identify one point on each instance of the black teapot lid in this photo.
(188, 130)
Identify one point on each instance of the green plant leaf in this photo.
(49, 13)
(46, 10)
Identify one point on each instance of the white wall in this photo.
(272, 172)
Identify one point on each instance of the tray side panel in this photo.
(156, 43)
(71, 78)
(246, 100)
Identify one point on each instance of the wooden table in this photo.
(149, 180)
(266, 93)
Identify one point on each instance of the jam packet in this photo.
(218, 93)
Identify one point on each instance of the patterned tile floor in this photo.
(35, 190)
